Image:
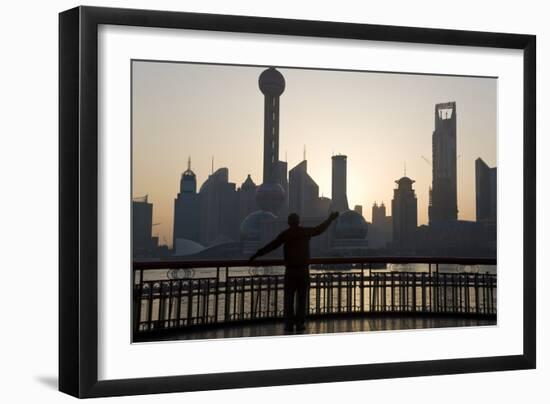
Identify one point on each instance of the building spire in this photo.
(189, 163)
(212, 166)
(304, 153)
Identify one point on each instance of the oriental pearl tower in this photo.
(270, 195)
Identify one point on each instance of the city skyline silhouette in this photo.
(189, 110)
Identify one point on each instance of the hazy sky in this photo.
(381, 121)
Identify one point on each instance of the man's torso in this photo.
(296, 247)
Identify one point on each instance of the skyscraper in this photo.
(219, 206)
(443, 195)
(304, 193)
(281, 178)
(378, 213)
(186, 208)
(404, 212)
(486, 192)
(142, 227)
(247, 198)
(380, 233)
(339, 183)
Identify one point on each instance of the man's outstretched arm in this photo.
(315, 231)
(272, 245)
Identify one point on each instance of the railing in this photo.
(184, 294)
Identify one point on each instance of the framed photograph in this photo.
(251, 201)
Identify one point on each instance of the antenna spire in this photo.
(189, 163)
(212, 167)
(304, 152)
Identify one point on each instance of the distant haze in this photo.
(382, 122)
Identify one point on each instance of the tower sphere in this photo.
(350, 225)
(272, 82)
(270, 196)
(252, 226)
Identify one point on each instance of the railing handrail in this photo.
(182, 264)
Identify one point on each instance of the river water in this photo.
(165, 274)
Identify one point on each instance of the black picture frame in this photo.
(78, 201)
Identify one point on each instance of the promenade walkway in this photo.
(322, 326)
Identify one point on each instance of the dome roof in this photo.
(251, 227)
(185, 246)
(188, 173)
(221, 239)
(270, 196)
(350, 225)
(404, 182)
(271, 82)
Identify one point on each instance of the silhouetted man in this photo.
(296, 256)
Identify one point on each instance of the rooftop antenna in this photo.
(304, 152)
(212, 167)
(405, 168)
(189, 163)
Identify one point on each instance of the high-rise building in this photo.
(218, 201)
(186, 208)
(380, 233)
(339, 183)
(378, 213)
(303, 192)
(404, 212)
(323, 205)
(348, 235)
(247, 198)
(443, 195)
(358, 209)
(486, 192)
(281, 178)
(142, 227)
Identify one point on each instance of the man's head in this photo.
(293, 220)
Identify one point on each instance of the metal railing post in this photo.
(226, 302)
(362, 288)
